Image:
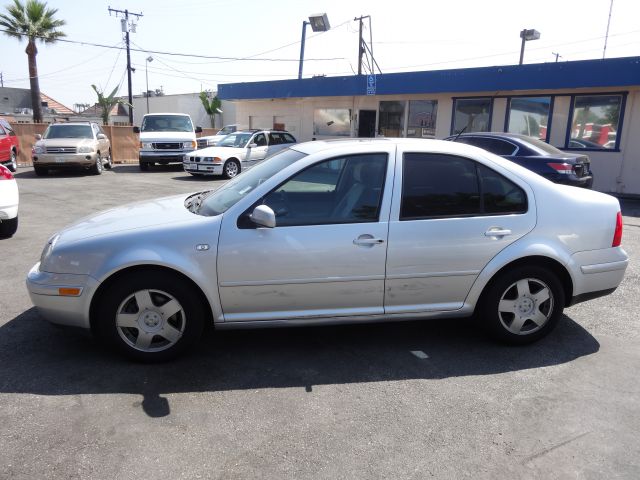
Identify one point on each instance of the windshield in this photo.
(226, 130)
(237, 140)
(219, 201)
(166, 123)
(68, 131)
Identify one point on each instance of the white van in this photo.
(165, 138)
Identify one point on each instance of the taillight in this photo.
(5, 173)
(617, 236)
(564, 168)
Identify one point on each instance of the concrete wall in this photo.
(614, 172)
(188, 103)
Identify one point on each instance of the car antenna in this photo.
(460, 132)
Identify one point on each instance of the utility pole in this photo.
(360, 43)
(126, 27)
(364, 49)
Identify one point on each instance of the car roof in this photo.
(71, 123)
(514, 136)
(168, 113)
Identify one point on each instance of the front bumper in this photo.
(63, 309)
(175, 156)
(64, 160)
(202, 168)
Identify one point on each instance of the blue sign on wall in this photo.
(371, 84)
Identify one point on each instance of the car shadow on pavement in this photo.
(630, 207)
(38, 358)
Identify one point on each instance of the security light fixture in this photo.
(319, 23)
(526, 35)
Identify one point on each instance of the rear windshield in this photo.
(543, 146)
(68, 131)
(167, 123)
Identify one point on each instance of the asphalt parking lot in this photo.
(416, 400)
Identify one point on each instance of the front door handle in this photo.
(497, 232)
(367, 240)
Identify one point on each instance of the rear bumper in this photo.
(572, 180)
(598, 272)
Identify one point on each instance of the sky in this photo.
(261, 40)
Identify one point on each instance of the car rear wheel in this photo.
(522, 305)
(231, 168)
(150, 316)
(8, 227)
(13, 165)
(144, 166)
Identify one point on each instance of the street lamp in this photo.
(319, 23)
(146, 71)
(527, 35)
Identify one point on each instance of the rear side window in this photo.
(288, 138)
(493, 145)
(438, 185)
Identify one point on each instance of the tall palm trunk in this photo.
(36, 102)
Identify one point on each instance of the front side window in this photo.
(438, 186)
(422, 118)
(471, 115)
(260, 140)
(391, 119)
(530, 116)
(595, 120)
(341, 190)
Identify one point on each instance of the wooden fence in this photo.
(124, 142)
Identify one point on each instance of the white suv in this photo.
(236, 152)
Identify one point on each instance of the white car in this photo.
(212, 140)
(236, 152)
(8, 203)
(330, 232)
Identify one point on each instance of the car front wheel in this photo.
(8, 227)
(13, 166)
(522, 305)
(231, 168)
(150, 316)
(96, 168)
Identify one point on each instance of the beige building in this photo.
(589, 106)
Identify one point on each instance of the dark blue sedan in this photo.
(536, 155)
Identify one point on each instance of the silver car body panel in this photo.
(316, 274)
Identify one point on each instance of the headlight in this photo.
(86, 149)
(37, 150)
(146, 145)
(48, 248)
(192, 144)
(211, 143)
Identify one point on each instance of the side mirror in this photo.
(102, 136)
(136, 129)
(253, 145)
(198, 129)
(38, 136)
(263, 216)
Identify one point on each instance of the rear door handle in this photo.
(497, 232)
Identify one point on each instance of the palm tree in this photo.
(211, 106)
(34, 21)
(106, 103)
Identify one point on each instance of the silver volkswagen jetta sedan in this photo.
(336, 232)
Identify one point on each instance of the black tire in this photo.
(144, 166)
(41, 171)
(231, 168)
(8, 227)
(533, 303)
(167, 337)
(96, 168)
(109, 163)
(13, 166)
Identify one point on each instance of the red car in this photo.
(9, 146)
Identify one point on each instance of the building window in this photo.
(391, 119)
(422, 118)
(335, 122)
(595, 122)
(471, 115)
(530, 116)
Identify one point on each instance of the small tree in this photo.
(106, 103)
(211, 106)
(33, 21)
